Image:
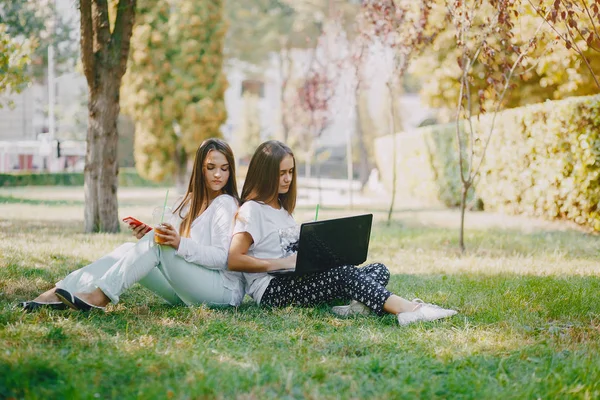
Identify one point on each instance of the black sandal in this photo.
(75, 302)
(35, 305)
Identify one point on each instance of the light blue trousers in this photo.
(155, 267)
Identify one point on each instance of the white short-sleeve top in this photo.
(271, 230)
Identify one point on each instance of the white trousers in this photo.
(155, 267)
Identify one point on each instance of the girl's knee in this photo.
(347, 273)
(347, 269)
(381, 268)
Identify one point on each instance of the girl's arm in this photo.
(239, 260)
(213, 256)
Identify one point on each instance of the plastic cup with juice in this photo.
(160, 215)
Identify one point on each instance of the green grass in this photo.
(528, 325)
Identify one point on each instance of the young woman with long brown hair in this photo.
(190, 264)
(263, 240)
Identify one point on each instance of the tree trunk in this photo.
(463, 207)
(394, 152)
(309, 158)
(394, 178)
(181, 173)
(364, 164)
(307, 164)
(284, 124)
(101, 166)
(104, 58)
(285, 75)
(350, 161)
(319, 190)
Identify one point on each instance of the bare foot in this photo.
(96, 298)
(48, 297)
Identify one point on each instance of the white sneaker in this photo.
(354, 308)
(425, 312)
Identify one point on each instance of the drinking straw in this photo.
(317, 212)
(164, 207)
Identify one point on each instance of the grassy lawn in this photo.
(528, 295)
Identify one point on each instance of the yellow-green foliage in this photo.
(550, 70)
(543, 160)
(14, 59)
(175, 77)
(249, 134)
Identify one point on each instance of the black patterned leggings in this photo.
(365, 284)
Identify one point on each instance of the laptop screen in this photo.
(330, 243)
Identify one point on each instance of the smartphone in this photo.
(136, 223)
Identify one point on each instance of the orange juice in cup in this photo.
(157, 229)
(160, 215)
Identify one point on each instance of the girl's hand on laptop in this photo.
(288, 262)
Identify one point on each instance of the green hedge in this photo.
(543, 160)
(128, 177)
(427, 164)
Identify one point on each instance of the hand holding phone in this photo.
(135, 223)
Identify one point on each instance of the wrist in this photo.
(273, 265)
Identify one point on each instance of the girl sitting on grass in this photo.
(190, 265)
(263, 232)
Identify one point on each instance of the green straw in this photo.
(317, 212)
(164, 207)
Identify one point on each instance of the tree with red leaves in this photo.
(314, 95)
(403, 27)
(483, 32)
(576, 24)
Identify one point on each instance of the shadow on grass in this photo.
(509, 328)
(480, 299)
(21, 280)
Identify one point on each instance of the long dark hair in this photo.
(262, 179)
(197, 191)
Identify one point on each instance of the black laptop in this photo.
(330, 243)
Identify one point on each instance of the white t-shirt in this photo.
(273, 231)
(208, 244)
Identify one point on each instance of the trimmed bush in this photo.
(543, 160)
(427, 164)
(34, 179)
(128, 177)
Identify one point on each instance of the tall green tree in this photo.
(104, 53)
(39, 20)
(175, 86)
(14, 59)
